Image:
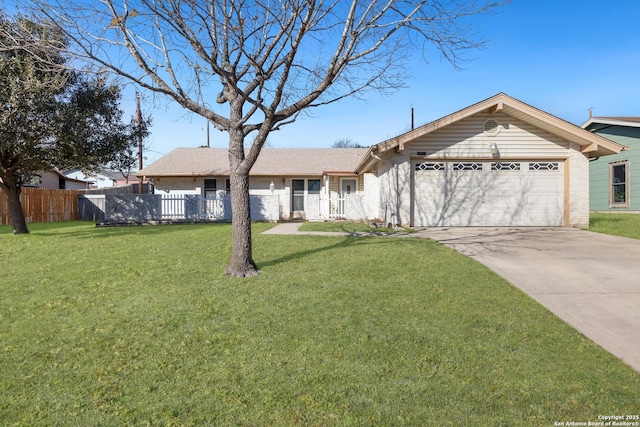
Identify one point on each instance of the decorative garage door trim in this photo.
(484, 193)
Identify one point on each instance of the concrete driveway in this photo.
(590, 280)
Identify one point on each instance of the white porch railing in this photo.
(187, 206)
(331, 207)
(350, 206)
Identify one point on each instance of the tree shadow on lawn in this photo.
(346, 242)
(80, 230)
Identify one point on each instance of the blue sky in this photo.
(562, 56)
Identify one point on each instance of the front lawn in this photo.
(618, 224)
(138, 326)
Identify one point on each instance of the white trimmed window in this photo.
(619, 184)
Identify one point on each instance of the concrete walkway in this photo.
(292, 228)
(590, 280)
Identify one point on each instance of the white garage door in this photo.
(488, 193)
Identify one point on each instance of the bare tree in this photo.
(253, 66)
(346, 143)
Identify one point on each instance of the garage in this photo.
(482, 193)
(497, 163)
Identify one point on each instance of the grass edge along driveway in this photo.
(138, 325)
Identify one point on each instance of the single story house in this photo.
(614, 181)
(310, 183)
(101, 179)
(55, 179)
(499, 162)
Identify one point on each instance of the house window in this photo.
(297, 193)
(619, 188)
(210, 187)
(227, 186)
(313, 186)
(32, 181)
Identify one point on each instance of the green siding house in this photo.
(614, 181)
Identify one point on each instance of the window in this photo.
(619, 188)
(210, 187)
(227, 186)
(32, 181)
(428, 166)
(297, 195)
(543, 166)
(505, 166)
(467, 166)
(313, 186)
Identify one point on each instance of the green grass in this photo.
(626, 225)
(138, 326)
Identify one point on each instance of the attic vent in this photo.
(490, 127)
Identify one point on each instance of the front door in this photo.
(297, 195)
(348, 186)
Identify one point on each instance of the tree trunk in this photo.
(241, 263)
(15, 209)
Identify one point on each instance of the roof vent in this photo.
(490, 127)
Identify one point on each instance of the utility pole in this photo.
(208, 142)
(139, 121)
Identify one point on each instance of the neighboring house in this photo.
(103, 178)
(499, 162)
(614, 181)
(57, 180)
(310, 183)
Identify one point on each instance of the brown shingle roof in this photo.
(271, 162)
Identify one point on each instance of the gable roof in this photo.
(271, 162)
(612, 121)
(591, 144)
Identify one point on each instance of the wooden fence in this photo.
(43, 205)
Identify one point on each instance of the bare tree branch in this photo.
(253, 66)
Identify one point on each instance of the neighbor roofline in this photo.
(611, 121)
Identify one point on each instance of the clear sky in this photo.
(562, 56)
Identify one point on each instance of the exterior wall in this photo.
(599, 170)
(466, 139)
(178, 185)
(138, 207)
(98, 180)
(371, 193)
(578, 188)
(394, 189)
(52, 180)
(49, 180)
(261, 186)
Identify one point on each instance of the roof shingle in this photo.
(271, 162)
